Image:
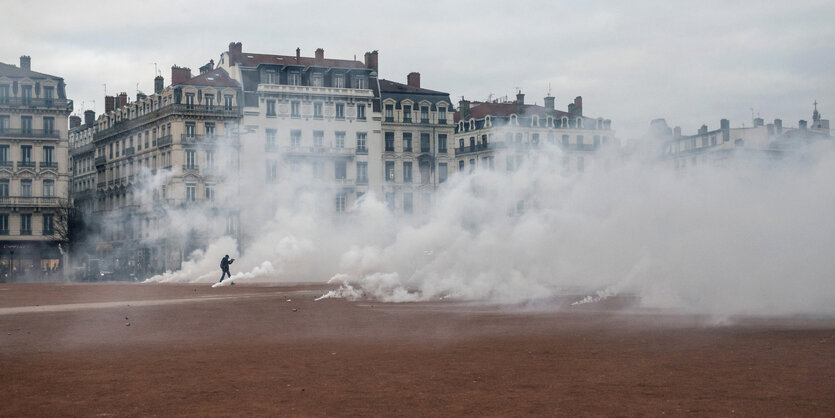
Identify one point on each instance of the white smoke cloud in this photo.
(745, 238)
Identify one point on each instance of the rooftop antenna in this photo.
(137, 88)
(549, 89)
(752, 113)
(156, 70)
(105, 89)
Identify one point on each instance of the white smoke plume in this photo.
(743, 238)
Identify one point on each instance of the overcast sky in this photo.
(632, 61)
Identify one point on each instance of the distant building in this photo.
(417, 150)
(313, 118)
(161, 154)
(759, 142)
(517, 129)
(33, 172)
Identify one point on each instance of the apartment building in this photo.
(34, 174)
(315, 119)
(158, 163)
(417, 153)
(500, 135)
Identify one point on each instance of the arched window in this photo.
(564, 122)
(579, 123)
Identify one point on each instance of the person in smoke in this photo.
(224, 267)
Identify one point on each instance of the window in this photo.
(190, 159)
(472, 165)
(295, 138)
(227, 102)
(272, 170)
(425, 143)
(4, 187)
(317, 110)
(362, 172)
(48, 125)
(318, 138)
(295, 109)
(316, 80)
(26, 124)
(294, 78)
(442, 143)
(210, 159)
(270, 144)
(389, 113)
(360, 83)
(318, 170)
(442, 115)
(424, 114)
(565, 140)
(338, 81)
(389, 171)
(340, 202)
(534, 139)
(390, 200)
(407, 114)
(26, 156)
(4, 94)
(580, 141)
(190, 191)
(597, 141)
(26, 224)
(190, 130)
(27, 94)
(48, 188)
(270, 107)
(268, 77)
(210, 192)
(407, 202)
(361, 111)
(4, 224)
(461, 165)
(407, 142)
(442, 172)
(407, 172)
(189, 100)
(340, 139)
(340, 110)
(4, 123)
(210, 101)
(389, 143)
(361, 147)
(49, 94)
(339, 170)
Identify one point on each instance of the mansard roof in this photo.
(253, 60)
(14, 71)
(387, 86)
(483, 109)
(215, 78)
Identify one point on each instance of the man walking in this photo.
(224, 267)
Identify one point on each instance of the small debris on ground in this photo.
(294, 309)
(127, 324)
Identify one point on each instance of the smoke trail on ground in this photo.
(749, 237)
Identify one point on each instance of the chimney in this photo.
(413, 80)
(235, 53)
(123, 99)
(549, 104)
(801, 124)
(759, 122)
(464, 109)
(75, 121)
(725, 125)
(298, 53)
(159, 84)
(320, 55)
(208, 67)
(578, 105)
(703, 130)
(180, 75)
(520, 103)
(677, 132)
(778, 125)
(26, 63)
(371, 61)
(141, 96)
(770, 128)
(109, 103)
(89, 118)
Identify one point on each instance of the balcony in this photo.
(57, 104)
(474, 148)
(6, 163)
(129, 151)
(178, 109)
(578, 147)
(324, 152)
(164, 140)
(30, 133)
(362, 151)
(29, 201)
(270, 148)
(48, 165)
(100, 161)
(22, 164)
(190, 168)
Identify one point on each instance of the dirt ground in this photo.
(191, 350)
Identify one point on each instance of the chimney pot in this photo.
(413, 80)
(26, 62)
(371, 61)
(320, 55)
(109, 103)
(235, 53)
(159, 84)
(75, 121)
(549, 103)
(520, 103)
(180, 75)
(298, 53)
(578, 105)
(677, 132)
(123, 99)
(89, 118)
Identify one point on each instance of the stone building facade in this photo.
(417, 149)
(158, 163)
(34, 174)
